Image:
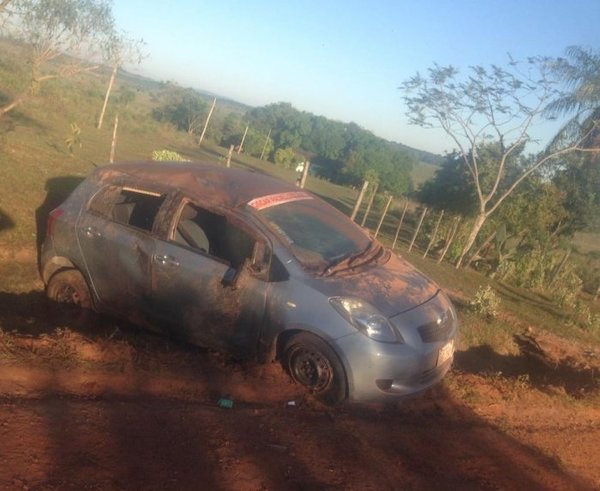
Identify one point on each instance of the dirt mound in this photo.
(572, 364)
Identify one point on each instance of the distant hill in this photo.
(421, 155)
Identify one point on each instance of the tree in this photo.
(493, 104)
(581, 75)
(185, 108)
(119, 49)
(580, 72)
(58, 35)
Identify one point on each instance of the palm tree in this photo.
(580, 73)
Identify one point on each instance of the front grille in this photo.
(433, 331)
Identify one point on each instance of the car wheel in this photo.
(69, 287)
(311, 362)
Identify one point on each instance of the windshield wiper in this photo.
(345, 261)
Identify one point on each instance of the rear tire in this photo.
(69, 287)
(311, 362)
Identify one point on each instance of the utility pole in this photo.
(212, 108)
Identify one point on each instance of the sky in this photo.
(345, 59)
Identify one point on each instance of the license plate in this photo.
(445, 353)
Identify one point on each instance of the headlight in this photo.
(366, 319)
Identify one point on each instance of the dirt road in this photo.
(97, 404)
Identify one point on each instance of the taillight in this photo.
(52, 217)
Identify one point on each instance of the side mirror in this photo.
(260, 257)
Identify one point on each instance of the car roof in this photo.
(224, 186)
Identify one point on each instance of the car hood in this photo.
(393, 287)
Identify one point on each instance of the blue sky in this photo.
(345, 59)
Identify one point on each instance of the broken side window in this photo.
(213, 234)
(137, 208)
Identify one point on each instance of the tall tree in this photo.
(58, 36)
(492, 104)
(580, 72)
(120, 48)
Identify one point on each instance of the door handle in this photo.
(91, 232)
(165, 260)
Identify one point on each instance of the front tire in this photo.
(311, 362)
(69, 287)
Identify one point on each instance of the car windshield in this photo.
(318, 235)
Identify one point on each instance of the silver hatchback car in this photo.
(245, 263)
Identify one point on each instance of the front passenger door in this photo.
(203, 284)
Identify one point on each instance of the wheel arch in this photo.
(56, 264)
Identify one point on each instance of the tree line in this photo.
(343, 153)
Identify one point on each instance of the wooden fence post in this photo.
(229, 154)
(399, 225)
(434, 235)
(364, 220)
(243, 139)
(262, 154)
(412, 242)
(212, 108)
(361, 195)
(385, 210)
(113, 144)
(450, 238)
(304, 174)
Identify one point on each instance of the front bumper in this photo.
(384, 371)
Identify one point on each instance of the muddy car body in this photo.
(245, 263)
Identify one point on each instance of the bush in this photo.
(486, 302)
(168, 155)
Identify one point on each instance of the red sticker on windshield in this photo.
(278, 199)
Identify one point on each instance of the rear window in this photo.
(134, 207)
(316, 233)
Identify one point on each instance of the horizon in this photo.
(345, 60)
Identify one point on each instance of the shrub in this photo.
(486, 302)
(166, 155)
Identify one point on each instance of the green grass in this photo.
(586, 242)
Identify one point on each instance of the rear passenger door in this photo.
(116, 238)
